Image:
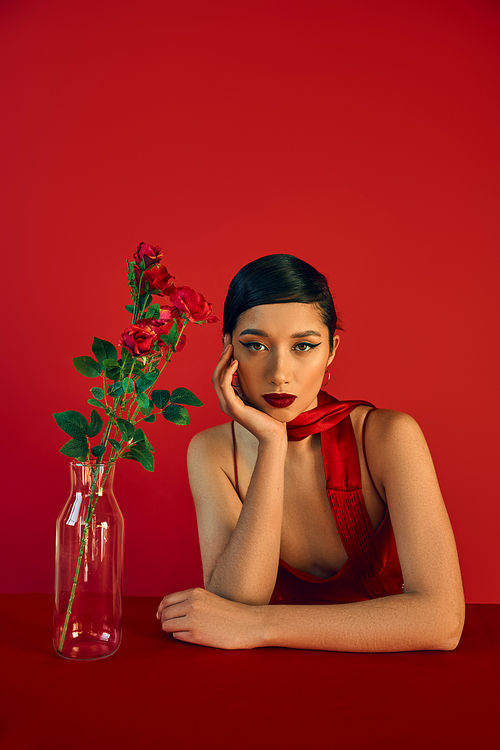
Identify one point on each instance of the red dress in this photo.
(372, 568)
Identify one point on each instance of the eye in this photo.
(305, 346)
(254, 346)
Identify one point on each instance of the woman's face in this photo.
(282, 349)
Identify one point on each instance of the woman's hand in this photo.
(260, 424)
(198, 616)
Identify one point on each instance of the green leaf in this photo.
(142, 400)
(141, 437)
(130, 309)
(73, 423)
(128, 455)
(95, 425)
(126, 428)
(150, 418)
(147, 410)
(115, 444)
(184, 396)
(113, 373)
(176, 414)
(87, 366)
(160, 398)
(148, 444)
(172, 335)
(97, 392)
(146, 381)
(143, 455)
(75, 449)
(153, 311)
(116, 389)
(102, 350)
(110, 363)
(98, 451)
(94, 402)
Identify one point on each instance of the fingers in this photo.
(223, 362)
(175, 618)
(170, 599)
(222, 379)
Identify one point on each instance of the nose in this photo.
(279, 369)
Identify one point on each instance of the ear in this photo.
(333, 350)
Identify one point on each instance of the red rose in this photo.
(155, 280)
(149, 254)
(139, 338)
(193, 304)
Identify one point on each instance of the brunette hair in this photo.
(274, 279)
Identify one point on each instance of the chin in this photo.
(283, 415)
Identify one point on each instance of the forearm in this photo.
(406, 622)
(247, 568)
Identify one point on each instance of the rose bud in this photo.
(149, 254)
(168, 313)
(193, 304)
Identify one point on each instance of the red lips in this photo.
(279, 400)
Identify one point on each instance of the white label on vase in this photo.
(74, 510)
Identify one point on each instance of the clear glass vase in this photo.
(89, 558)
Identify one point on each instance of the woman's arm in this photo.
(429, 615)
(240, 545)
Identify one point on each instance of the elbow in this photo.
(453, 632)
(240, 596)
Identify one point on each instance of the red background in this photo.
(360, 136)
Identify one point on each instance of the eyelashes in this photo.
(252, 344)
(305, 343)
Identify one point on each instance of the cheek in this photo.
(248, 372)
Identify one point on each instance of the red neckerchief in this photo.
(329, 412)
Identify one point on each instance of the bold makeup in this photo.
(279, 400)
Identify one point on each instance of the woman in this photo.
(329, 511)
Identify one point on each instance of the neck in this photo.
(299, 447)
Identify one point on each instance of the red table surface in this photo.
(155, 692)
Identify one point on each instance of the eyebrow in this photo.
(258, 332)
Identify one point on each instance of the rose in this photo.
(155, 280)
(149, 254)
(140, 337)
(193, 305)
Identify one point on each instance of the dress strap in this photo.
(235, 463)
(364, 453)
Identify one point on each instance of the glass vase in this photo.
(89, 558)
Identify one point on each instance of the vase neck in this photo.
(85, 475)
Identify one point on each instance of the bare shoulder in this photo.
(394, 442)
(395, 433)
(386, 427)
(211, 452)
(213, 441)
